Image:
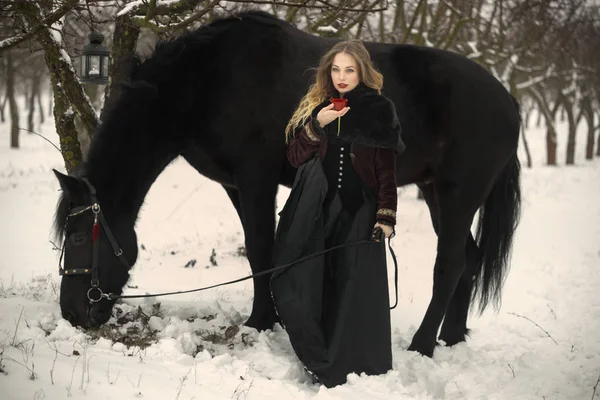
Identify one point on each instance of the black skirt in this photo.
(335, 308)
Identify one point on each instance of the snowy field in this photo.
(544, 343)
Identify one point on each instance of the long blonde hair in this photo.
(323, 86)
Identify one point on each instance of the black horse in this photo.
(221, 97)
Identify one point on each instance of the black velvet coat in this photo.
(356, 335)
(373, 128)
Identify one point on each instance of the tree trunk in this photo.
(50, 101)
(2, 104)
(549, 115)
(568, 108)
(526, 146)
(598, 143)
(35, 87)
(41, 108)
(122, 61)
(12, 101)
(64, 120)
(550, 146)
(4, 98)
(589, 117)
(551, 136)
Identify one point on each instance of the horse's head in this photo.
(99, 246)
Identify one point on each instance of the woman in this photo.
(335, 307)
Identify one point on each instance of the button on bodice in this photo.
(341, 175)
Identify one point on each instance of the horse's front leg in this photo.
(257, 188)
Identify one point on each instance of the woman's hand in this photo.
(328, 114)
(387, 230)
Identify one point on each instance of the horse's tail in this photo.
(498, 220)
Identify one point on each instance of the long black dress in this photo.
(335, 307)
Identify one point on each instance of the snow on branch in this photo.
(550, 73)
(529, 70)
(327, 29)
(514, 59)
(157, 27)
(160, 7)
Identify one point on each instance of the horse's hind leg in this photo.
(454, 227)
(454, 328)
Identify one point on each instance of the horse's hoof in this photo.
(261, 323)
(452, 338)
(423, 347)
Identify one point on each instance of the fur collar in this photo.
(371, 121)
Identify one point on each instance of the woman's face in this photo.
(344, 73)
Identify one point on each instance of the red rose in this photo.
(339, 104)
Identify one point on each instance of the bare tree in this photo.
(12, 101)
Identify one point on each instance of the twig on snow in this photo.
(535, 323)
(596, 387)
(511, 370)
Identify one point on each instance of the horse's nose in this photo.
(69, 316)
(97, 318)
(91, 323)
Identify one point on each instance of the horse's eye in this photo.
(78, 238)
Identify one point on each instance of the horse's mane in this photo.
(169, 54)
(60, 217)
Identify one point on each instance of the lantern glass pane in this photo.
(105, 64)
(93, 66)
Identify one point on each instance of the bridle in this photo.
(94, 294)
(101, 224)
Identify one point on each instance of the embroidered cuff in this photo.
(386, 216)
(309, 132)
(386, 212)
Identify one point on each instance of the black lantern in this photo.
(94, 61)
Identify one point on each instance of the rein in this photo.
(111, 296)
(95, 294)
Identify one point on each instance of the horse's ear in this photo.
(72, 187)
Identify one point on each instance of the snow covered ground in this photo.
(543, 344)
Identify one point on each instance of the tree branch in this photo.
(44, 23)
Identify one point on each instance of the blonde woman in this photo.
(336, 307)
